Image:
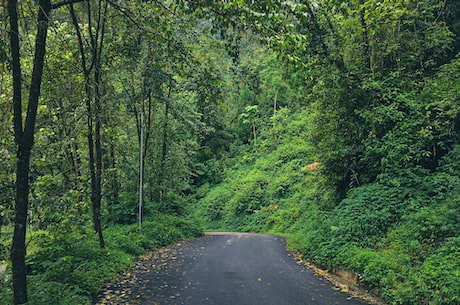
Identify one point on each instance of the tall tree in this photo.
(91, 66)
(24, 136)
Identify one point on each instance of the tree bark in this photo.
(24, 138)
(98, 145)
(16, 68)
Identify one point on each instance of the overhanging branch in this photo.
(64, 3)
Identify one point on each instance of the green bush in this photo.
(246, 199)
(69, 268)
(79, 264)
(441, 273)
(55, 293)
(367, 213)
(211, 208)
(6, 289)
(127, 239)
(399, 280)
(3, 248)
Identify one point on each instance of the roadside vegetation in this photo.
(69, 267)
(358, 165)
(334, 123)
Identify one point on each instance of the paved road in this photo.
(225, 269)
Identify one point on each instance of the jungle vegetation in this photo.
(333, 123)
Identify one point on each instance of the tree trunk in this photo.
(16, 68)
(93, 115)
(164, 152)
(98, 146)
(24, 138)
(18, 249)
(76, 165)
(115, 185)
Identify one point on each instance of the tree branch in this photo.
(64, 3)
(16, 69)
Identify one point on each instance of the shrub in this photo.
(79, 264)
(69, 268)
(127, 239)
(367, 214)
(441, 273)
(42, 291)
(211, 207)
(6, 290)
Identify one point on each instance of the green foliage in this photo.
(395, 277)
(78, 263)
(158, 231)
(212, 206)
(69, 267)
(266, 191)
(56, 293)
(441, 272)
(366, 215)
(344, 136)
(5, 269)
(6, 290)
(377, 108)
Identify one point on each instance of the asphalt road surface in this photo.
(224, 269)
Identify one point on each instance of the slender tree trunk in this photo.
(93, 77)
(98, 147)
(16, 68)
(24, 137)
(76, 164)
(137, 114)
(147, 122)
(95, 190)
(114, 199)
(164, 150)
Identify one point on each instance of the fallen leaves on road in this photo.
(147, 280)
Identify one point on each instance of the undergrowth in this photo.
(68, 267)
(401, 236)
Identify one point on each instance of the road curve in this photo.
(224, 269)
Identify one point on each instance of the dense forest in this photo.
(128, 125)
